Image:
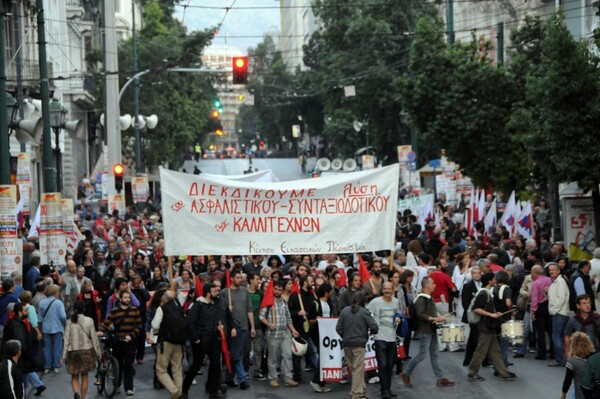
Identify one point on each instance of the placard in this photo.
(140, 188)
(53, 246)
(11, 247)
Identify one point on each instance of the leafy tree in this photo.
(459, 101)
(563, 96)
(364, 45)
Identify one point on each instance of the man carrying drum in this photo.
(489, 324)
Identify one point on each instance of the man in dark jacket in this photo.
(354, 326)
(8, 296)
(428, 319)
(581, 284)
(488, 329)
(468, 292)
(299, 306)
(11, 377)
(203, 329)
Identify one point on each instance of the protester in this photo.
(580, 347)
(126, 324)
(11, 377)
(428, 318)
(80, 350)
(279, 333)
(53, 318)
(354, 326)
(558, 307)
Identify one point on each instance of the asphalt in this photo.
(535, 380)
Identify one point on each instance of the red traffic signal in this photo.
(240, 70)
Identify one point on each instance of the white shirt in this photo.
(558, 297)
(325, 308)
(323, 265)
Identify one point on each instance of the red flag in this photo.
(362, 268)
(198, 289)
(269, 298)
(342, 282)
(295, 287)
(225, 350)
(227, 278)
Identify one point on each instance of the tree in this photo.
(459, 101)
(563, 104)
(366, 46)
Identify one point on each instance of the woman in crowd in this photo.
(91, 301)
(460, 276)
(155, 279)
(182, 285)
(580, 347)
(80, 350)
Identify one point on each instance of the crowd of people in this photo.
(119, 282)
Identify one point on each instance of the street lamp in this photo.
(57, 121)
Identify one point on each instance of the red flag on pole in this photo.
(362, 268)
(227, 278)
(269, 298)
(198, 288)
(295, 287)
(225, 350)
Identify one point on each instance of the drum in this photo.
(453, 333)
(513, 331)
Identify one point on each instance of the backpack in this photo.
(402, 329)
(173, 328)
(472, 317)
(590, 383)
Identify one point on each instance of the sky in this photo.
(242, 27)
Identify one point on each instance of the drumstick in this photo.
(508, 311)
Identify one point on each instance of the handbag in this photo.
(522, 301)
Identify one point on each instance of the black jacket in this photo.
(11, 380)
(587, 284)
(16, 329)
(468, 292)
(202, 321)
(294, 306)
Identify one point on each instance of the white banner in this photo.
(72, 234)
(332, 362)
(53, 246)
(24, 180)
(265, 176)
(352, 212)
(11, 247)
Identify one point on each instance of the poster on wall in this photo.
(579, 232)
(11, 247)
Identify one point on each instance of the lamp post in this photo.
(11, 109)
(57, 121)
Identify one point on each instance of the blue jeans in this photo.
(558, 328)
(386, 353)
(53, 347)
(426, 341)
(236, 353)
(34, 379)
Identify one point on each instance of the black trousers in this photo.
(471, 343)
(543, 322)
(212, 349)
(124, 352)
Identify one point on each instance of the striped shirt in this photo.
(126, 321)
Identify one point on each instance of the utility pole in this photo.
(4, 138)
(16, 9)
(111, 71)
(48, 165)
(136, 96)
(500, 38)
(450, 21)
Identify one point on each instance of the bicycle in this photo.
(108, 373)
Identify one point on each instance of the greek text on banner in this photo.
(353, 212)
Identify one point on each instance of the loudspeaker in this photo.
(76, 128)
(31, 127)
(336, 164)
(141, 121)
(323, 164)
(151, 121)
(349, 165)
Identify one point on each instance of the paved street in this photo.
(284, 168)
(535, 381)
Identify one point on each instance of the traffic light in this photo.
(118, 171)
(217, 103)
(240, 70)
(215, 114)
(261, 145)
(219, 132)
